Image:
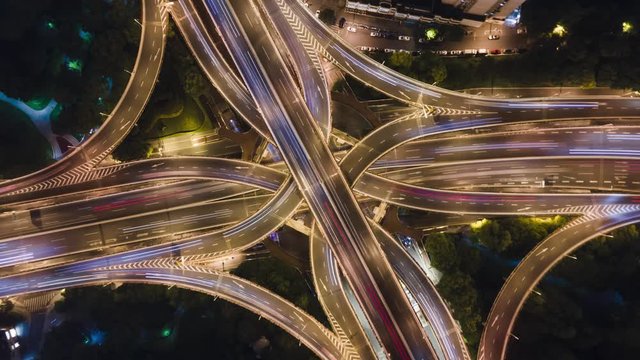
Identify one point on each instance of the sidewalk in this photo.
(42, 120)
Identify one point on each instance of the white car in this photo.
(389, 50)
(318, 13)
(404, 37)
(351, 28)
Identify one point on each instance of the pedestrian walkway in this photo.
(42, 120)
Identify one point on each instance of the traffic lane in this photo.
(431, 222)
(424, 292)
(534, 173)
(309, 68)
(122, 117)
(420, 198)
(394, 134)
(124, 204)
(287, 138)
(518, 92)
(328, 284)
(536, 142)
(234, 289)
(533, 267)
(218, 71)
(126, 230)
(166, 168)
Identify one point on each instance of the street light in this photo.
(627, 27)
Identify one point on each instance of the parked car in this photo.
(389, 50)
(374, 34)
(494, 37)
(482, 51)
(455, 52)
(442, 52)
(495, 52)
(470, 51)
(341, 22)
(351, 28)
(404, 37)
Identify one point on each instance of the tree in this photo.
(327, 16)
(134, 147)
(491, 235)
(401, 61)
(439, 73)
(442, 251)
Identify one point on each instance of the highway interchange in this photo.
(161, 220)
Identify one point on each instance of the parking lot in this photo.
(369, 33)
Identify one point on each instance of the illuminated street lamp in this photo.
(431, 33)
(627, 27)
(559, 30)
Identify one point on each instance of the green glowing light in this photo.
(627, 27)
(431, 33)
(166, 332)
(51, 25)
(74, 65)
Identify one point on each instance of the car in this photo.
(341, 22)
(374, 34)
(389, 50)
(364, 48)
(495, 52)
(455, 52)
(318, 13)
(416, 53)
(351, 28)
(494, 37)
(404, 37)
(470, 51)
(508, 51)
(483, 51)
(442, 52)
